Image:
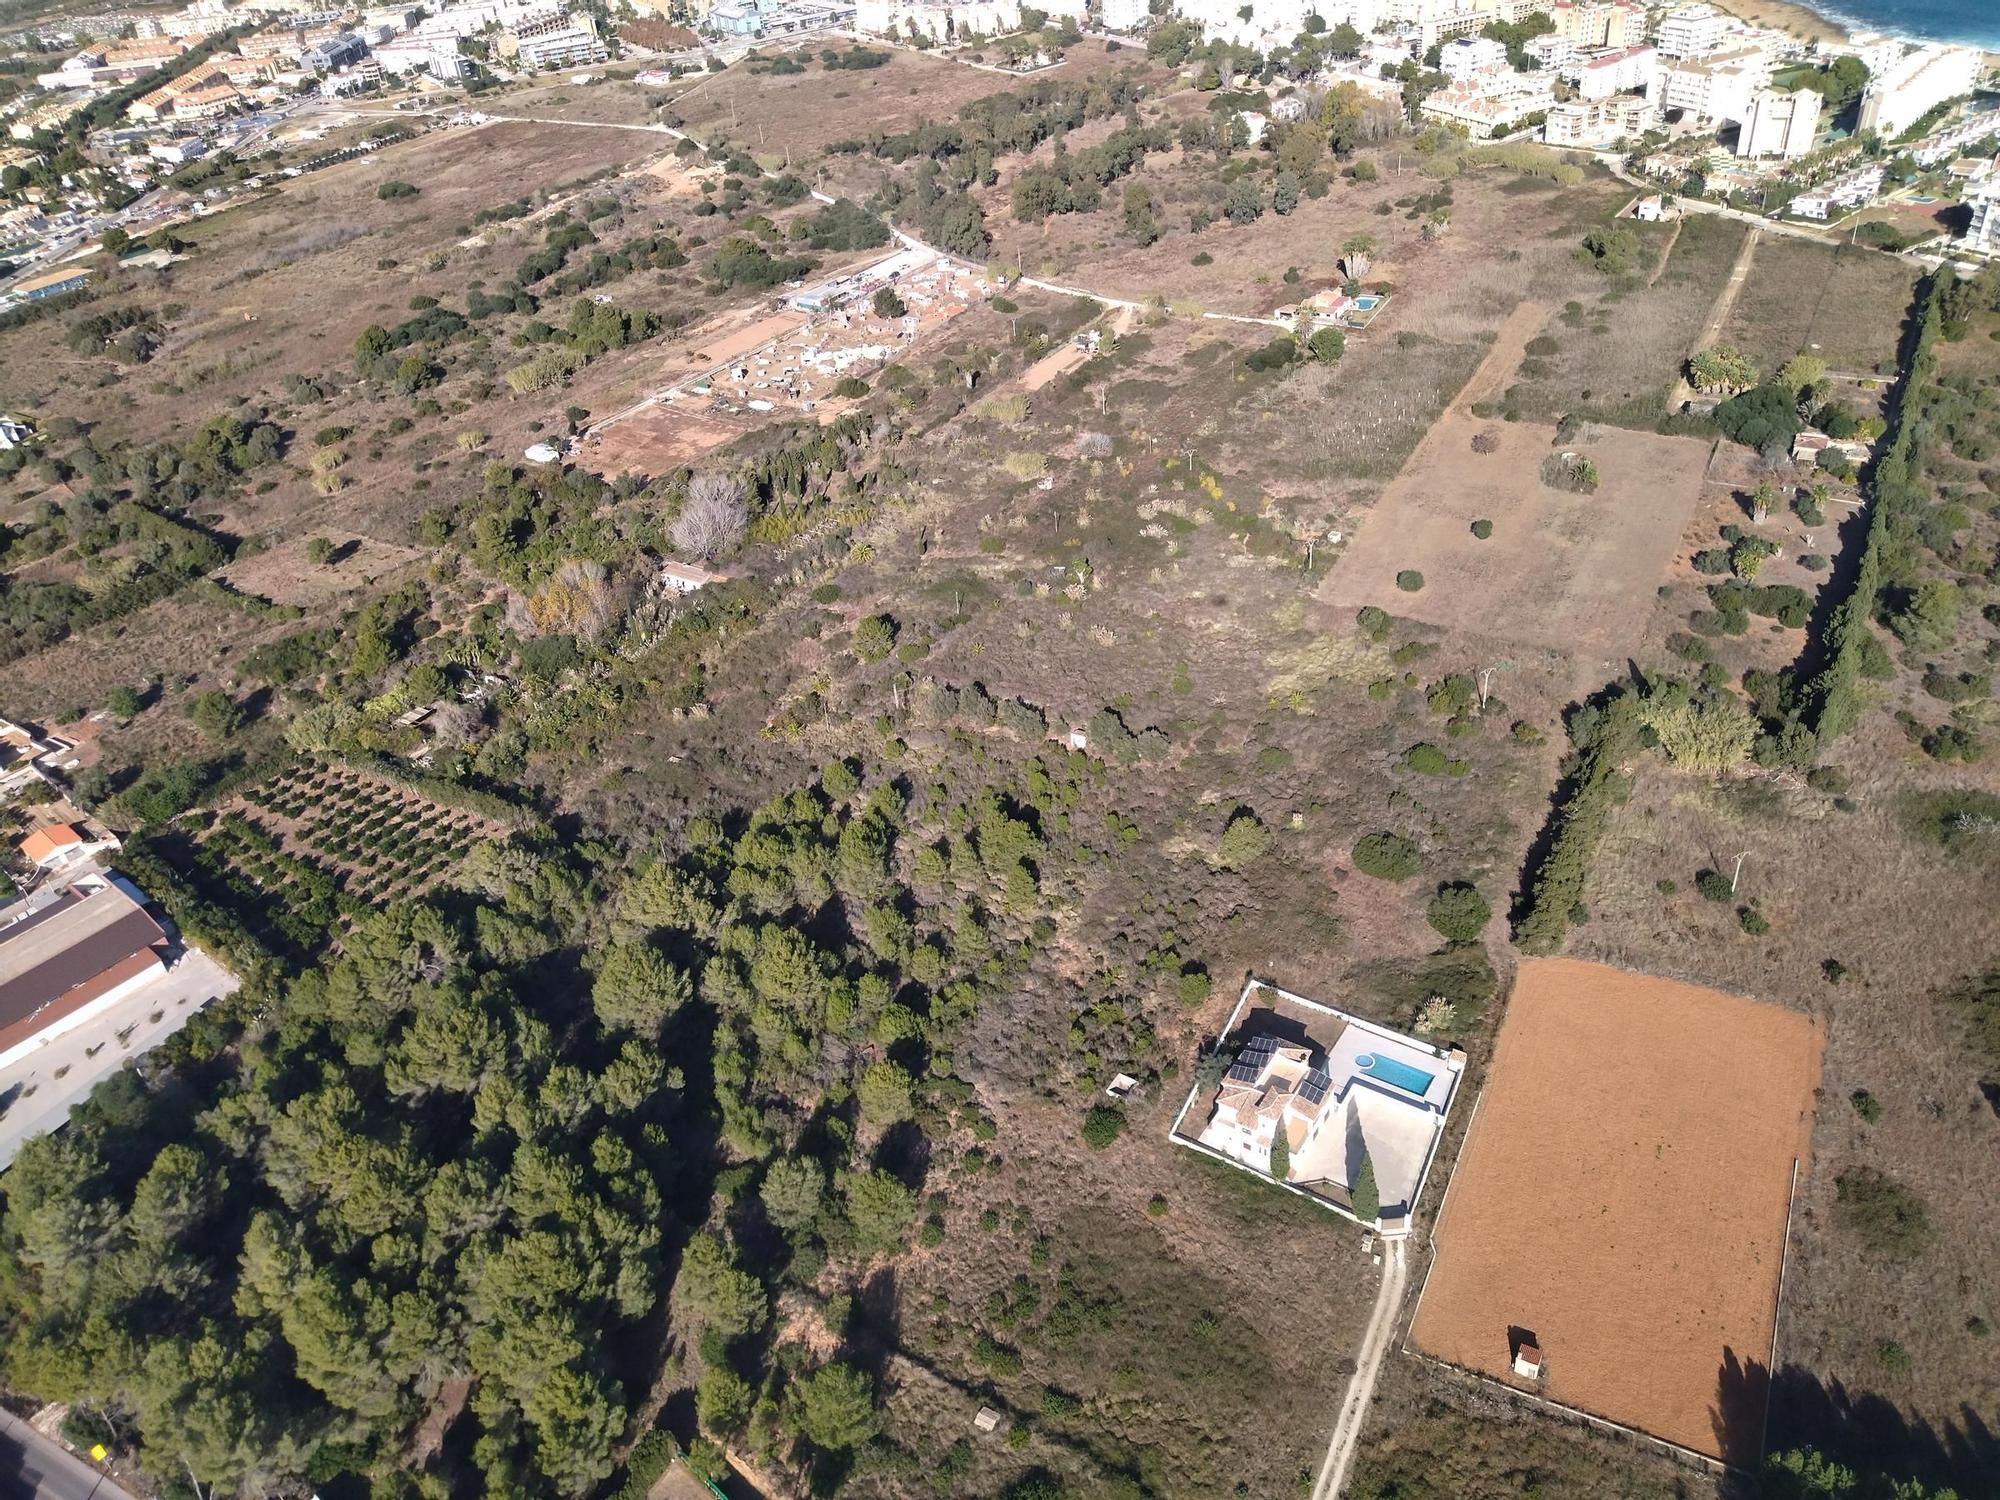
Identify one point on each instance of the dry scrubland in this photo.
(1559, 569)
(1118, 1305)
(781, 117)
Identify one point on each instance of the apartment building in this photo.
(1779, 124)
(1470, 56)
(1588, 124)
(1593, 27)
(1916, 85)
(1691, 31)
(1618, 72)
(936, 22)
(1982, 236)
(554, 39)
(1716, 87)
(1849, 190)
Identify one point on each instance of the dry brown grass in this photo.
(1846, 305)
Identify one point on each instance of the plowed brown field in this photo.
(1621, 1200)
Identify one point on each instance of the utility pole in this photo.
(1485, 685)
(1737, 873)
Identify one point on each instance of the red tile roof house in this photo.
(59, 845)
(66, 962)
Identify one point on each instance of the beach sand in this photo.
(1799, 20)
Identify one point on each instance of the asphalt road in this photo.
(33, 1468)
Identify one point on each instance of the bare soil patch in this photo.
(1560, 570)
(1622, 1199)
(283, 575)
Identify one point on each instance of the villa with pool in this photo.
(1341, 1089)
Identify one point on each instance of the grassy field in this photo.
(1845, 305)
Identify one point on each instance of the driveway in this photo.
(1375, 1344)
(36, 1092)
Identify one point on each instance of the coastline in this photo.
(1814, 25)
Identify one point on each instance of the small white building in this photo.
(686, 578)
(1124, 15)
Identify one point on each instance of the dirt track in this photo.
(1622, 1197)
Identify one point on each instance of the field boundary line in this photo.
(1689, 1456)
(1471, 1123)
(1778, 1312)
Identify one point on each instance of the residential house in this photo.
(1849, 190)
(59, 846)
(1337, 1090)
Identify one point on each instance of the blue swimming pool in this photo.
(1396, 1074)
(1366, 304)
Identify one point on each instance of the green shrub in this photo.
(1427, 760)
(1387, 856)
(1243, 841)
(1714, 885)
(1752, 921)
(1409, 580)
(1890, 1221)
(1374, 621)
(1458, 912)
(1482, 529)
(1103, 1125)
(1866, 1105)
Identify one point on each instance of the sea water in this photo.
(1974, 22)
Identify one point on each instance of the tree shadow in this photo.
(1742, 1397)
(1868, 1431)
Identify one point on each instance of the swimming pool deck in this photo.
(1398, 1128)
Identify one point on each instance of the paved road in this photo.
(33, 1468)
(1376, 1339)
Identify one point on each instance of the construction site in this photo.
(788, 364)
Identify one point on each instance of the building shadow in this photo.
(1867, 1431)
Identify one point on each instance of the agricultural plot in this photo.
(1476, 536)
(1844, 304)
(387, 842)
(298, 856)
(1622, 1202)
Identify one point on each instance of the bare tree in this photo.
(713, 519)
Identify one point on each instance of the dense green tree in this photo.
(834, 1408)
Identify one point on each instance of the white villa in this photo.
(1341, 1088)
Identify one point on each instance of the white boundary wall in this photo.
(1252, 984)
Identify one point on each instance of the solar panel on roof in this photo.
(1259, 1044)
(1313, 1087)
(1243, 1073)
